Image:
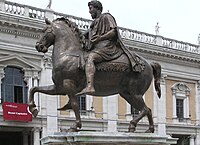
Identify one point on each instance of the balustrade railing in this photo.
(83, 24)
(23, 10)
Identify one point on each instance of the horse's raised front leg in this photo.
(49, 90)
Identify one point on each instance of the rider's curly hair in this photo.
(96, 4)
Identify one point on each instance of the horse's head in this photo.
(47, 38)
(62, 32)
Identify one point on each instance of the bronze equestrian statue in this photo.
(104, 44)
(124, 72)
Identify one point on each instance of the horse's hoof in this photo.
(72, 130)
(35, 112)
(63, 130)
(149, 131)
(131, 129)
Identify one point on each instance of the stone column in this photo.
(35, 83)
(1, 77)
(186, 104)
(128, 112)
(89, 106)
(155, 105)
(198, 102)
(36, 136)
(89, 102)
(25, 137)
(111, 108)
(174, 103)
(161, 108)
(50, 101)
(192, 140)
(197, 139)
(31, 78)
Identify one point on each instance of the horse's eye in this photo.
(48, 30)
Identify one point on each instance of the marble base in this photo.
(107, 138)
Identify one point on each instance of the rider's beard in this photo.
(93, 15)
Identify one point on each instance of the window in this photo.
(180, 94)
(13, 87)
(134, 111)
(82, 103)
(179, 108)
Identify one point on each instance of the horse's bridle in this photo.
(39, 45)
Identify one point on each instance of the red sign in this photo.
(16, 111)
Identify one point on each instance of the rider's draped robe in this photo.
(111, 49)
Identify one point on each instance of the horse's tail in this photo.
(157, 76)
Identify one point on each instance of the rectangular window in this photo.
(134, 112)
(179, 108)
(18, 94)
(82, 104)
(13, 86)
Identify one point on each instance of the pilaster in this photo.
(36, 136)
(197, 138)
(25, 137)
(1, 77)
(161, 108)
(192, 141)
(111, 107)
(198, 102)
(50, 105)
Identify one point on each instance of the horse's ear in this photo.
(48, 22)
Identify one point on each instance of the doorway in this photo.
(11, 138)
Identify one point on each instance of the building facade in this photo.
(177, 113)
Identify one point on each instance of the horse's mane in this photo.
(75, 29)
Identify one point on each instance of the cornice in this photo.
(17, 20)
(18, 31)
(30, 27)
(20, 26)
(162, 53)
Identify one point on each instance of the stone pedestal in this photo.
(107, 138)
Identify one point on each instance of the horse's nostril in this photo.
(36, 46)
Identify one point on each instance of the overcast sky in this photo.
(178, 19)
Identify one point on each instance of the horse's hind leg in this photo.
(138, 103)
(151, 123)
(49, 90)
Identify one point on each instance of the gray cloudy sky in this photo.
(178, 19)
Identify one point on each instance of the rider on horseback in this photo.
(105, 44)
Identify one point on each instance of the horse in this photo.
(69, 77)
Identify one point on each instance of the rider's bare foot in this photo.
(87, 90)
